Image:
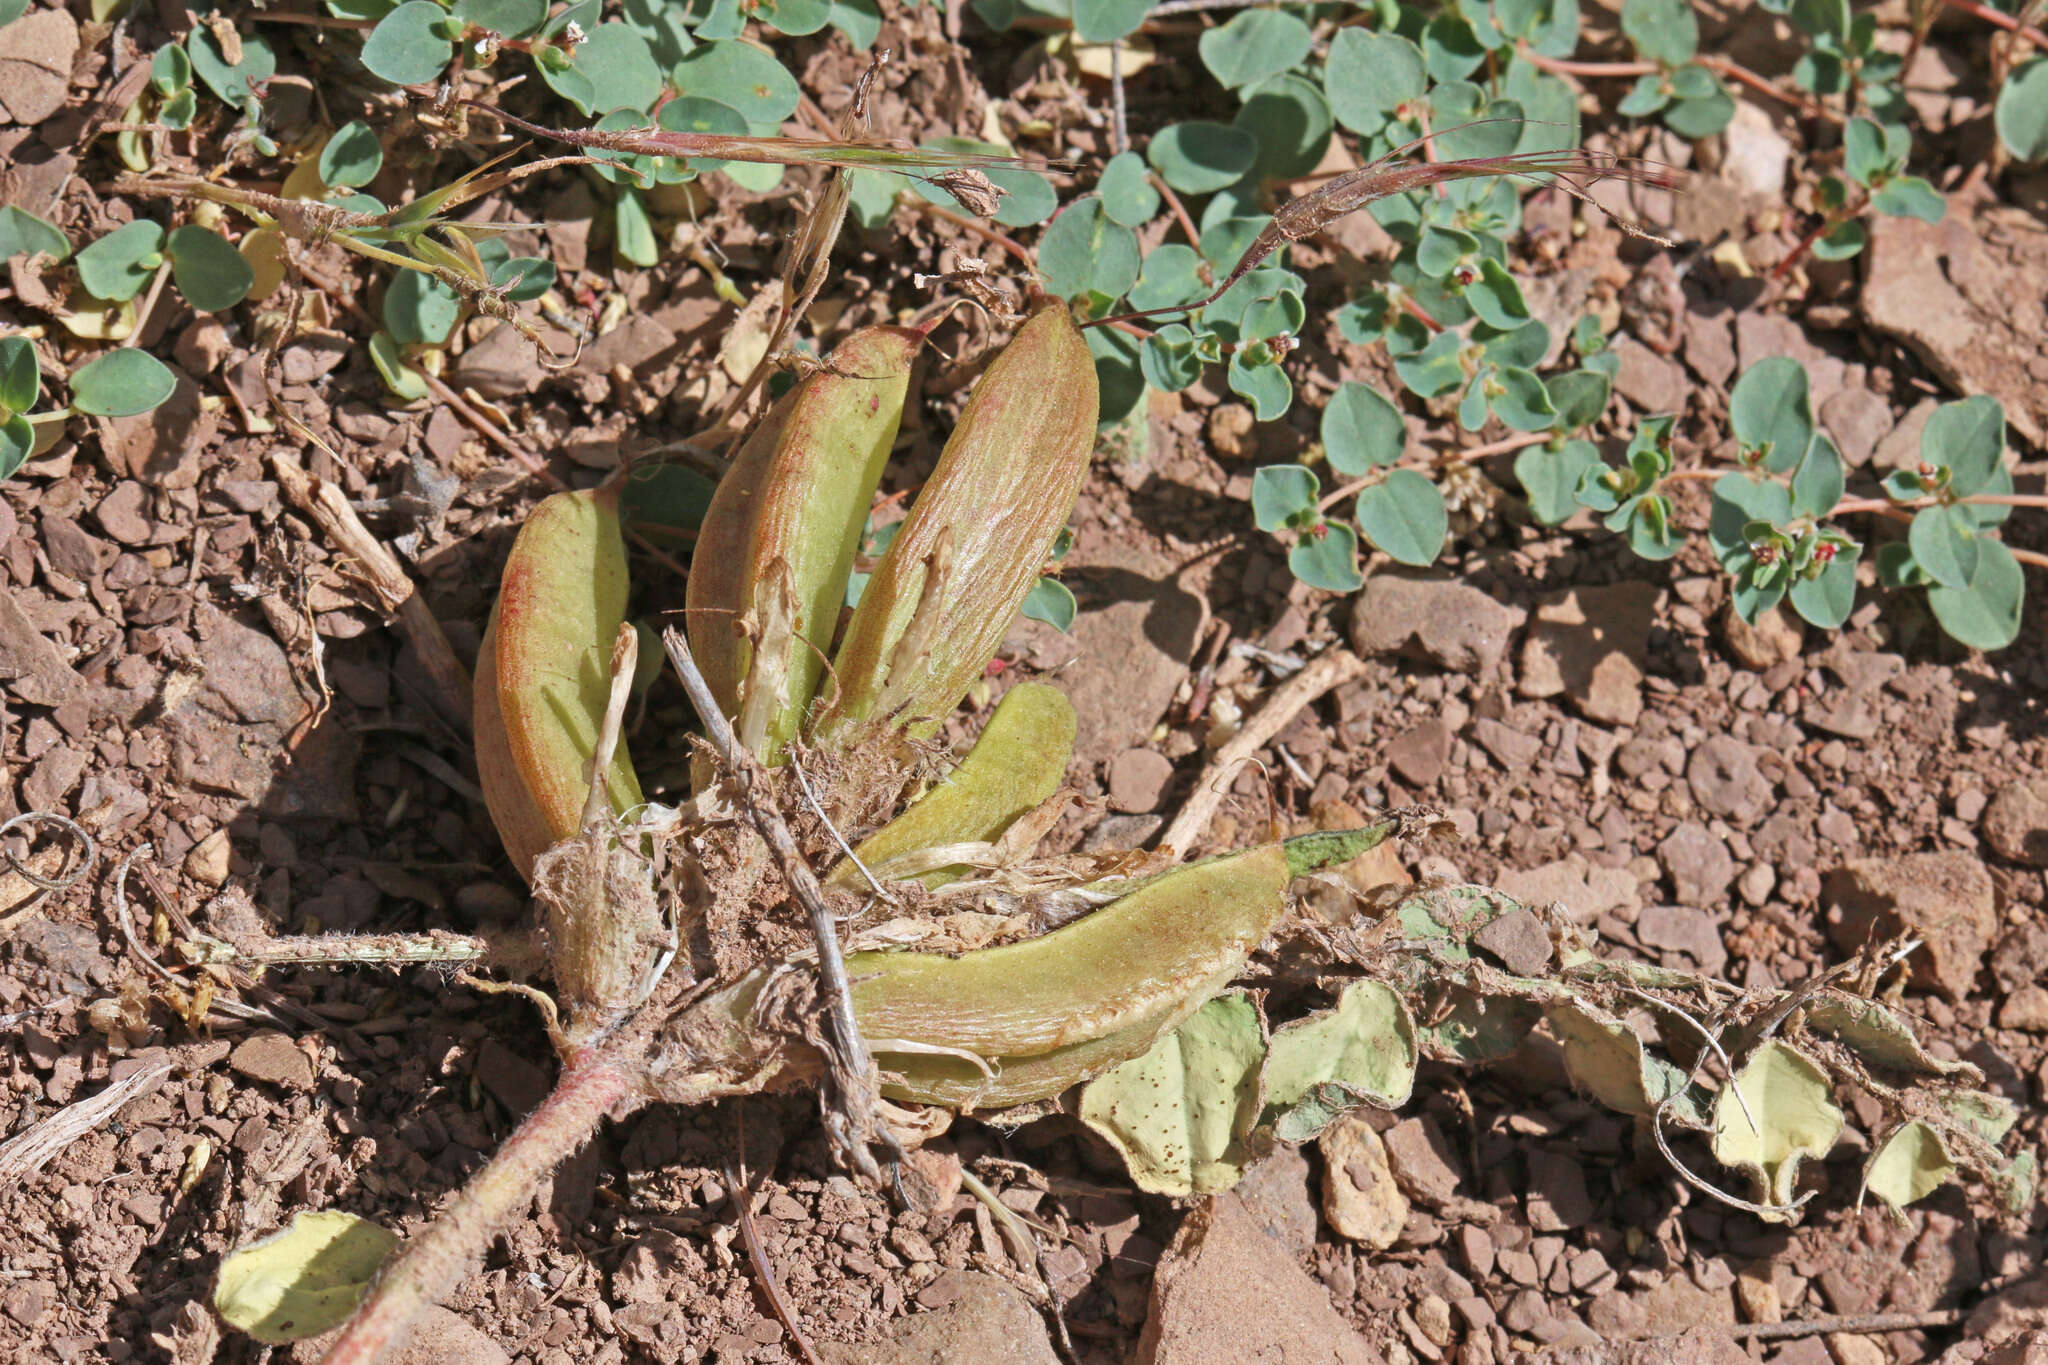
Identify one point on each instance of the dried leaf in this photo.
(304, 1280)
(1181, 1116)
(1795, 1115)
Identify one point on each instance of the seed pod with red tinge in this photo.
(543, 674)
(769, 571)
(951, 582)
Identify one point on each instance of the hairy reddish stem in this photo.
(2001, 20)
(1720, 66)
(430, 1264)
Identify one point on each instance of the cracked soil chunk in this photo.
(1226, 1293)
(1945, 899)
(1965, 294)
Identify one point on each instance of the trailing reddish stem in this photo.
(2000, 20)
(1720, 66)
(428, 1267)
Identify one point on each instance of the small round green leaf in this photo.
(1826, 601)
(796, 17)
(1551, 478)
(1664, 31)
(1201, 158)
(232, 83)
(1842, 241)
(1968, 439)
(1052, 602)
(2022, 111)
(121, 383)
(419, 309)
(1702, 117)
(1369, 75)
(17, 443)
(1291, 120)
(352, 157)
(620, 67)
(741, 75)
(170, 70)
(1945, 543)
(1263, 383)
(1105, 21)
(1817, 485)
(1327, 558)
(1405, 516)
(1257, 43)
(1771, 411)
(1284, 497)
(1522, 402)
(1085, 251)
(24, 234)
(633, 235)
(1450, 48)
(1908, 196)
(1362, 430)
(1580, 396)
(21, 375)
(118, 265)
(406, 47)
(1127, 195)
(405, 382)
(506, 18)
(211, 274)
(1986, 614)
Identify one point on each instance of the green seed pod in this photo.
(949, 585)
(769, 572)
(543, 676)
(1016, 763)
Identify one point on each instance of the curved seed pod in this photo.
(770, 568)
(1017, 762)
(1176, 937)
(543, 675)
(951, 582)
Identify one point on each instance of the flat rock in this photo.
(1275, 1191)
(1420, 752)
(1654, 383)
(1421, 1160)
(165, 447)
(1589, 644)
(1758, 335)
(984, 1319)
(1756, 155)
(1557, 1200)
(1138, 779)
(272, 1057)
(1122, 661)
(1434, 617)
(1514, 749)
(1964, 294)
(2026, 1009)
(1776, 637)
(1361, 1200)
(1226, 1293)
(1584, 890)
(440, 1337)
(1858, 420)
(2016, 822)
(32, 667)
(1518, 940)
(35, 65)
(1726, 781)
(1683, 932)
(1944, 899)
